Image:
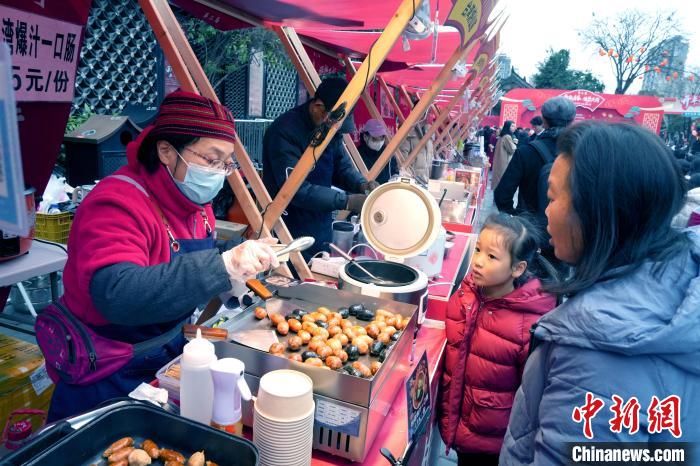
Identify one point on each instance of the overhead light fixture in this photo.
(419, 26)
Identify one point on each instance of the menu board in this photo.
(45, 54)
(418, 398)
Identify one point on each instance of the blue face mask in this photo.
(201, 184)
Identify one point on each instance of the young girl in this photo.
(488, 324)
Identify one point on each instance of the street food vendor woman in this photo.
(142, 255)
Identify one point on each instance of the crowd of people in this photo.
(584, 295)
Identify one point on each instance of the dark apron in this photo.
(69, 400)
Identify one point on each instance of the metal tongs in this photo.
(300, 244)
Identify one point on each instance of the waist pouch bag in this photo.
(75, 354)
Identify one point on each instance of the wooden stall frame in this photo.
(419, 109)
(369, 103)
(473, 114)
(442, 117)
(192, 78)
(349, 98)
(392, 101)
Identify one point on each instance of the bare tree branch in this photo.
(630, 34)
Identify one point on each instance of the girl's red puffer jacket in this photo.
(487, 345)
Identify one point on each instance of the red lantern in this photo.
(615, 55)
(657, 69)
(629, 59)
(675, 75)
(610, 52)
(601, 52)
(646, 67)
(691, 77)
(668, 78)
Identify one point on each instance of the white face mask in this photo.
(374, 145)
(201, 184)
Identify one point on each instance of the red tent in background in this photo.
(520, 105)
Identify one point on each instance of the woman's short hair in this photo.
(537, 121)
(148, 152)
(625, 188)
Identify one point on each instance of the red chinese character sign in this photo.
(44, 55)
(665, 415)
(626, 415)
(587, 412)
(470, 18)
(644, 110)
(662, 415)
(690, 103)
(584, 98)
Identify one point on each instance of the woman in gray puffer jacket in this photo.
(630, 329)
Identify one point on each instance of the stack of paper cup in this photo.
(283, 419)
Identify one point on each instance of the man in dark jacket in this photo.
(310, 212)
(371, 145)
(537, 125)
(523, 171)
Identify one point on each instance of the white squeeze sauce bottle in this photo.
(196, 386)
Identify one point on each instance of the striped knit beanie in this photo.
(193, 115)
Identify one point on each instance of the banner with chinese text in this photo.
(45, 54)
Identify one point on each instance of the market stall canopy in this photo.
(418, 78)
(520, 105)
(303, 14)
(72, 11)
(356, 45)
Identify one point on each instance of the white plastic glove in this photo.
(250, 258)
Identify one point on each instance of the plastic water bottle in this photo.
(196, 386)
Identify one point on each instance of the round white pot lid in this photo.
(400, 219)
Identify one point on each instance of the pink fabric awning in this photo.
(356, 45)
(315, 14)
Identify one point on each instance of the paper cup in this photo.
(286, 424)
(285, 395)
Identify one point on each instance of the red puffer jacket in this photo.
(487, 345)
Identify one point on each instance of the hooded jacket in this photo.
(633, 336)
(487, 345)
